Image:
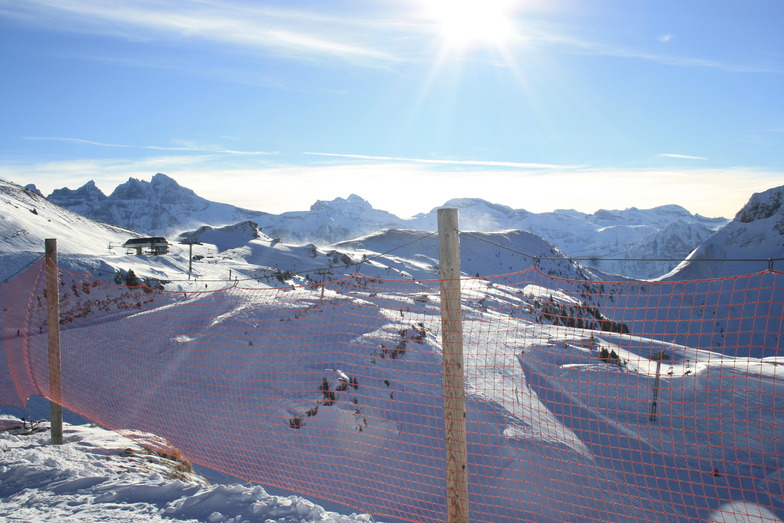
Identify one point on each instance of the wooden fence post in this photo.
(53, 330)
(452, 369)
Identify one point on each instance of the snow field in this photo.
(335, 391)
(98, 475)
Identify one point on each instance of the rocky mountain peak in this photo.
(352, 202)
(762, 206)
(33, 189)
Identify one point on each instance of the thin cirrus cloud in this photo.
(682, 156)
(288, 32)
(478, 163)
(79, 141)
(369, 41)
(182, 148)
(578, 45)
(208, 150)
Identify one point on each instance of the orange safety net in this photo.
(586, 401)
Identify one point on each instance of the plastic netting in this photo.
(586, 401)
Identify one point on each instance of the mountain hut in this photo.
(155, 245)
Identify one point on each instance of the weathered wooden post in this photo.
(452, 370)
(53, 330)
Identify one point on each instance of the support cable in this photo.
(17, 273)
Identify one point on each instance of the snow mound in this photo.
(97, 475)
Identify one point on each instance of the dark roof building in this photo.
(154, 245)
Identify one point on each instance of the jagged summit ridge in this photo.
(158, 207)
(763, 206)
(353, 201)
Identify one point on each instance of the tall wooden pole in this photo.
(53, 329)
(452, 370)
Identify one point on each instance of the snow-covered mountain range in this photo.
(244, 250)
(633, 239)
(632, 242)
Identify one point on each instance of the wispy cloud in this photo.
(79, 141)
(475, 163)
(359, 37)
(209, 150)
(289, 32)
(181, 148)
(571, 43)
(683, 156)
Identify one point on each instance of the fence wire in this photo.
(586, 401)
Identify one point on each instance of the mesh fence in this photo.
(585, 401)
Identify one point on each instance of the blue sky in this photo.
(535, 104)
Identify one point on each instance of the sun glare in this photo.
(463, 23)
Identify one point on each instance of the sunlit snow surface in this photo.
(97, 475)
(252, 382)
(228, 367)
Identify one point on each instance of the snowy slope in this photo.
(26, 218)
(99, 475)
(529, 376)
(656, 254)
(475, 215)
(547, 419)
(482, 254)
(756, 233)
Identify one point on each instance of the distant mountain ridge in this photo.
(158, 207)
(163, 207)
(669, 232)
(756, 233)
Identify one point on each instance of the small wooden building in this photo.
(154, 245)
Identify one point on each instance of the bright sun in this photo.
(464, 23)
